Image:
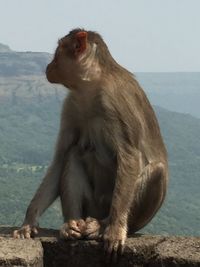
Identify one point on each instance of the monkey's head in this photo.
(78, 59)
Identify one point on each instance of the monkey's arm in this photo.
(48, 191)
(127, 175)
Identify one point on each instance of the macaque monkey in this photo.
(110, 164)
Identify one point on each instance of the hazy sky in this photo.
(143, 35)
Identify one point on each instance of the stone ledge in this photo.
(20, 253)
(140, 250)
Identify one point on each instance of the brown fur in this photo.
(110, 164)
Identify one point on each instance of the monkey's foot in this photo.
(26, 231)
(93, 228)
(114, 240)
(73, 229)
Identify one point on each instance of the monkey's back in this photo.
(129, 106)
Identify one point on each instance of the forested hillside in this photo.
(29, 121)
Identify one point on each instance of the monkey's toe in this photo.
(114, 240)
(72, 230)
(113, 250)
(93, 228)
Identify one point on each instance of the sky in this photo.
(142, 35)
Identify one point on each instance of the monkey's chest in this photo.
(92, 145)
(99, 162)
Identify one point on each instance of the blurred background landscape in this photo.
(29, 120)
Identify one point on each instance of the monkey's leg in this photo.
(104, 188)
(76, 198)
(150, 192)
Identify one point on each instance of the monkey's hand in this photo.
(73, 229)
(114, 240)
(26, 231)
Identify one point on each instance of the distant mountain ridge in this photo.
(14, 63)
(4, 48)
(174, 91)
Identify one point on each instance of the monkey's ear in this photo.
(81, 42)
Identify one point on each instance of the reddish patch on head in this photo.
(81, 34)
(81, 38)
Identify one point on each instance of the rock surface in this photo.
(15, 252)
(140, 251)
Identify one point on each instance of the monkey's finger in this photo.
(108, 251)
(121, 249)
(16, 234)
(75, 229)
(27, 235)
(74, 225)
(74, 234)
(113, 251)
(80, 223)
(22, 236)
(117, 252)
(35, 231)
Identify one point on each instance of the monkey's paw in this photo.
(73, 229)
(114, 240)
(93, 228)
(26, 231)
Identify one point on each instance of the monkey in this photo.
(110, 166)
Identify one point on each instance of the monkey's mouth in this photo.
(50, 74)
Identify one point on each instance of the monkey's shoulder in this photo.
(125, 99)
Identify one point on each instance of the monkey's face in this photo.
(69, 63)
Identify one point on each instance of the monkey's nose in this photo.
(48, 69)
(48, 72)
